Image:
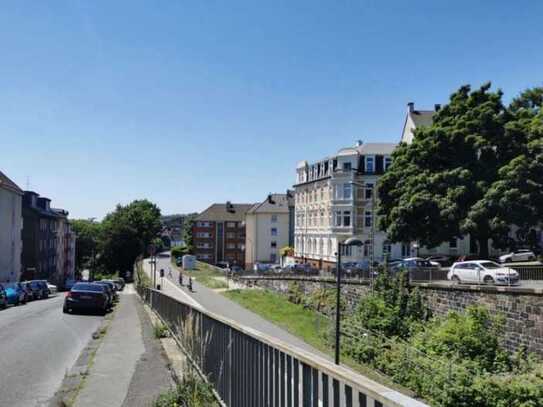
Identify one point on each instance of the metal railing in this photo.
(250, 369)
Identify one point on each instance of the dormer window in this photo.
(370, 164)
(347, 167)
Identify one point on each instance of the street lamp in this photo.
(352, 241)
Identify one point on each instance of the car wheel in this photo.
(456, 279)
(17, 302)
(488, 280)
(65, 310)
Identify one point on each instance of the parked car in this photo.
(482, 271)
(86, 296)
(15, 293)
(276, 268)
(109, 292)
(29, 295)
(3, 298)
(53, 289)
(440, 261)
(261, 267)
(113, 288)
(519, 255)
(411, 263)
(236, 269)
(120, 281)
(39, 291)
(45, 287)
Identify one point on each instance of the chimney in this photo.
(358, 143)
(410, 107)
(437, 107)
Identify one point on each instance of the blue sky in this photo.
(192, 102)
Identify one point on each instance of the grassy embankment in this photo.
(211, 277)
(310, 326)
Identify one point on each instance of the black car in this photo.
(120, 282)
(86, 297)
(113, 287)
(108, 290)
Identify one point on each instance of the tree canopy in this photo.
(461, 174)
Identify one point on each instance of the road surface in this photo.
(38, 345)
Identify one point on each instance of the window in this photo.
(387, 162)
(346, 166)
(230, 224)
(322, 194)
(368, 191)
(406, 250)
(367, 248)
(203, 234)
(274, 218)
(346, 218)
(347, 191)
(337, 218)
(230, 235)
(273, 244)
(370, 164)
(367, 219)
(203, 224)
(273, 257)
(387, 248)
(231, 246)
(453, 244)
(274, 231)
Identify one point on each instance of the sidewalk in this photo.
(129, 368)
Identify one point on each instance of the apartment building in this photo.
(40, 238)
(219, 233)
(11, 224)
(335, 200)
(268, 229)
(65, 257)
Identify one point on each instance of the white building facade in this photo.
(267, 230)
(335, 200)
(11, 225)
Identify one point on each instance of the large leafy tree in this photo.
(127, 233)
(437, 188)
(87, 233)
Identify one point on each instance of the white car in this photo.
(52, 288)
(519, 255)
(482, 271)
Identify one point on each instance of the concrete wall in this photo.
(522, 308)
(11, 224)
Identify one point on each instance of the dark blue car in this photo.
(15, 293)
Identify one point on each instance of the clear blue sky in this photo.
(192, 102)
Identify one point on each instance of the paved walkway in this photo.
(214, 302)
(129, 369)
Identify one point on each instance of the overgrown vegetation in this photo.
(450, 361)
(142, 280)
(160, 331)
(192, 392)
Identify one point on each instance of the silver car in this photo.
(519, 255)
(482, 271)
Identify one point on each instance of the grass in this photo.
(207, 275)
(160, 331)
(307, 324)
(295, 318)
(192, 392)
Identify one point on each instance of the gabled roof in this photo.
(8, 184)
(218, 213)
(422, 117)
(280, 205)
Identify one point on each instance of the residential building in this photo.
(65, 257)
(334, 200)
(11, 224)
(268, 229)
(40, 238)
(219, 233)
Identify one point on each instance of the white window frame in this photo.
(347, 187)
(366, 162)
(273, 231)
(368, 215)
(387, 161)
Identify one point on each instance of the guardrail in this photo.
(250, 369)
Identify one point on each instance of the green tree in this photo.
(435, 188)
(187, 235)
(87, 238)
(127, 233)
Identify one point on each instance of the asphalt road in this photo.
(38, 344)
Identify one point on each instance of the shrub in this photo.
(192, 392)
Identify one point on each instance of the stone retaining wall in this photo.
(522, 308)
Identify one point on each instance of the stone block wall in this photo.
(522, 309)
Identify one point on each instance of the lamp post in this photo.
(348, 243)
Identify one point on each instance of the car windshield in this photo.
(490, 265)
(87, 287)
